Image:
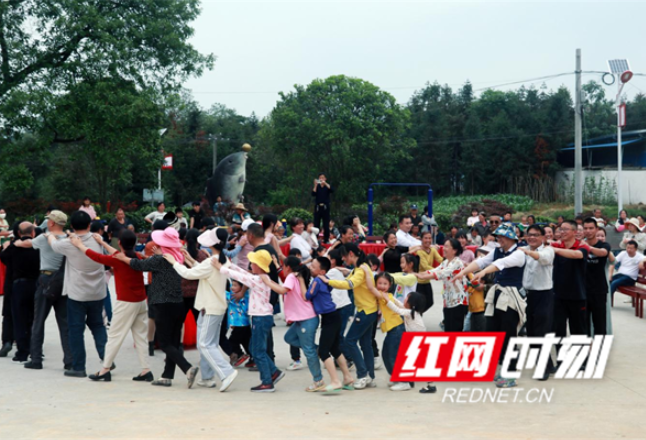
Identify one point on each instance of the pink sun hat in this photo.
(169, 238)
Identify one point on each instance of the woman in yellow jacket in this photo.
(366, 303)
(428, 256)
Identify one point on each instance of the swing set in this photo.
(371, 196)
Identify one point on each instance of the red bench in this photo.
(636, 292)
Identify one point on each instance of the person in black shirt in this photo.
(25, 264)
(414, 215)
(391, 256)
(195, 216)
(596, 283)
(321, 193)
(116, 225)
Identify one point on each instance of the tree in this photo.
(343, 126)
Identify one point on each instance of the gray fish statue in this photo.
(229, 178)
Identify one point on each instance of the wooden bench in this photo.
(637, 293)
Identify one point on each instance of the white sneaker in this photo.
(371, 383)
(295, 365)
(391, 384)
(378, 363)
(209, 383)
(400, 386)
(226, 383)
(360, 384)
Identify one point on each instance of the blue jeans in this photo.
(107, 304)
(80, 313)
(260, 331)
(302, 334)
(346, 313)
(391, 346)
(620, 280)
(361, 333)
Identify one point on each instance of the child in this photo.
(294, 352)
(310, 234)
(261, 312)
(342, 301)
(320, 251)
(411, 310)
(238, 312)
(392, 324)
(375, 264)
(298, 311)
(329, 343)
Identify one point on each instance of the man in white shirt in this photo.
(403, 233)
(298, 242)
(629, 261)
(156, 215)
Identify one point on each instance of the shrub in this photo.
(296, 212)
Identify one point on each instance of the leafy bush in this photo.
(487, 205)
(296, 212)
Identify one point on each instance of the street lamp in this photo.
(620, 69)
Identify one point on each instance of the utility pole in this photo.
(214, 141)
(578, 153)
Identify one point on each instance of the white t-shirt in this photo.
(155, 215)
(629, 265)
(472, 221)
(406, 240)
(340, 298)
(298, 242)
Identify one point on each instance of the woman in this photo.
(429, 257)
(366, 304)
(391, 255)
(165, 295)
(192, 257)
(130, 312)
(4, 227)
(212, 303)
(269, 223)
(116, 225)
(467, 256)
(634, 233)
(642, 223)
(621, 221)
(601, 236)
(456, 300)
(530, 220)
(87, 207)
(578, 235)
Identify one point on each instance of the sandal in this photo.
(316, 386)
(348, 386)
(331, 389)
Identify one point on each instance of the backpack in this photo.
(54, 289)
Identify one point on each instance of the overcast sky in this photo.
(265, 47)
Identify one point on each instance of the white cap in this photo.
(246, 223)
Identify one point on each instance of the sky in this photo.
(265, 47)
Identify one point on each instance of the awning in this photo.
(612, 144)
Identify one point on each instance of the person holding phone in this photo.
(321, 193)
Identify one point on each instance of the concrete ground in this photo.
(45, 404)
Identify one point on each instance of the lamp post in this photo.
(620, 69)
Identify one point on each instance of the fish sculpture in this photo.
(229, 178)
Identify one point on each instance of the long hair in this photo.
(410, 258)
(128, 241)
(356, 250)
(417, 303)
(191, 242)
(223, 236)
(294, 263)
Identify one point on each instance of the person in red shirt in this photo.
(130, 312)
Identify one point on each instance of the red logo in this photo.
(448, 357)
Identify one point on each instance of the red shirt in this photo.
(129, 282)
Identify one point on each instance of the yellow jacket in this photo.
(364, 300)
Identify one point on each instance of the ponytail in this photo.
(223, 236)
(294, 263)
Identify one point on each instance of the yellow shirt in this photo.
(364, 300)
(390, 319)
(426, 261)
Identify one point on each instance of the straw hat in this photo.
(240, 206)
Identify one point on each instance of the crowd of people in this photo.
(497, 275)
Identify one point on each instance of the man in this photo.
(630, 263)
(43, 225)
(505, 306)
(298, 242)
(25, 265)
(494, 222)
(598, 218)
(156, 215)
(481, 225)
(84, 285)
(195, 215)
(569, 282)
(403, 233)
(414, 217)
(538, 283)
(50, 262)
(321, 193)
(596, 284)
(507, 217)
(240, 215)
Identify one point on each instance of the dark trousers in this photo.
(322, 212)
(189, 303)
(503, 321)
(375, 347)
(107, 304)
(454, 318)
(596, 307)
(478, 322)
(295, 353)
(540, 311)
(427, 291)
(42, 306)
(572, 312)
(169, 319)
(22, 309)
(329, 340)
(80, 314)
(7, 319)
(240, 339)
(346, 313)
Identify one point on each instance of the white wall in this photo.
(633, 182)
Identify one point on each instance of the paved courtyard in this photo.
(45, 404)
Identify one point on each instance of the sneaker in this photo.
(378, 363)
(391, 384)
(206, 383)
(226, 383)
(506, 383)
(191, 375)
(34, 365)
(371, 383)
(262, 388)
(295, 365)
(428, 389)
(277, 376)
(401, 386)
(162, 382)
(241, 360)
(360, 384)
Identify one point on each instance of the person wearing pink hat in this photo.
(165, 295)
